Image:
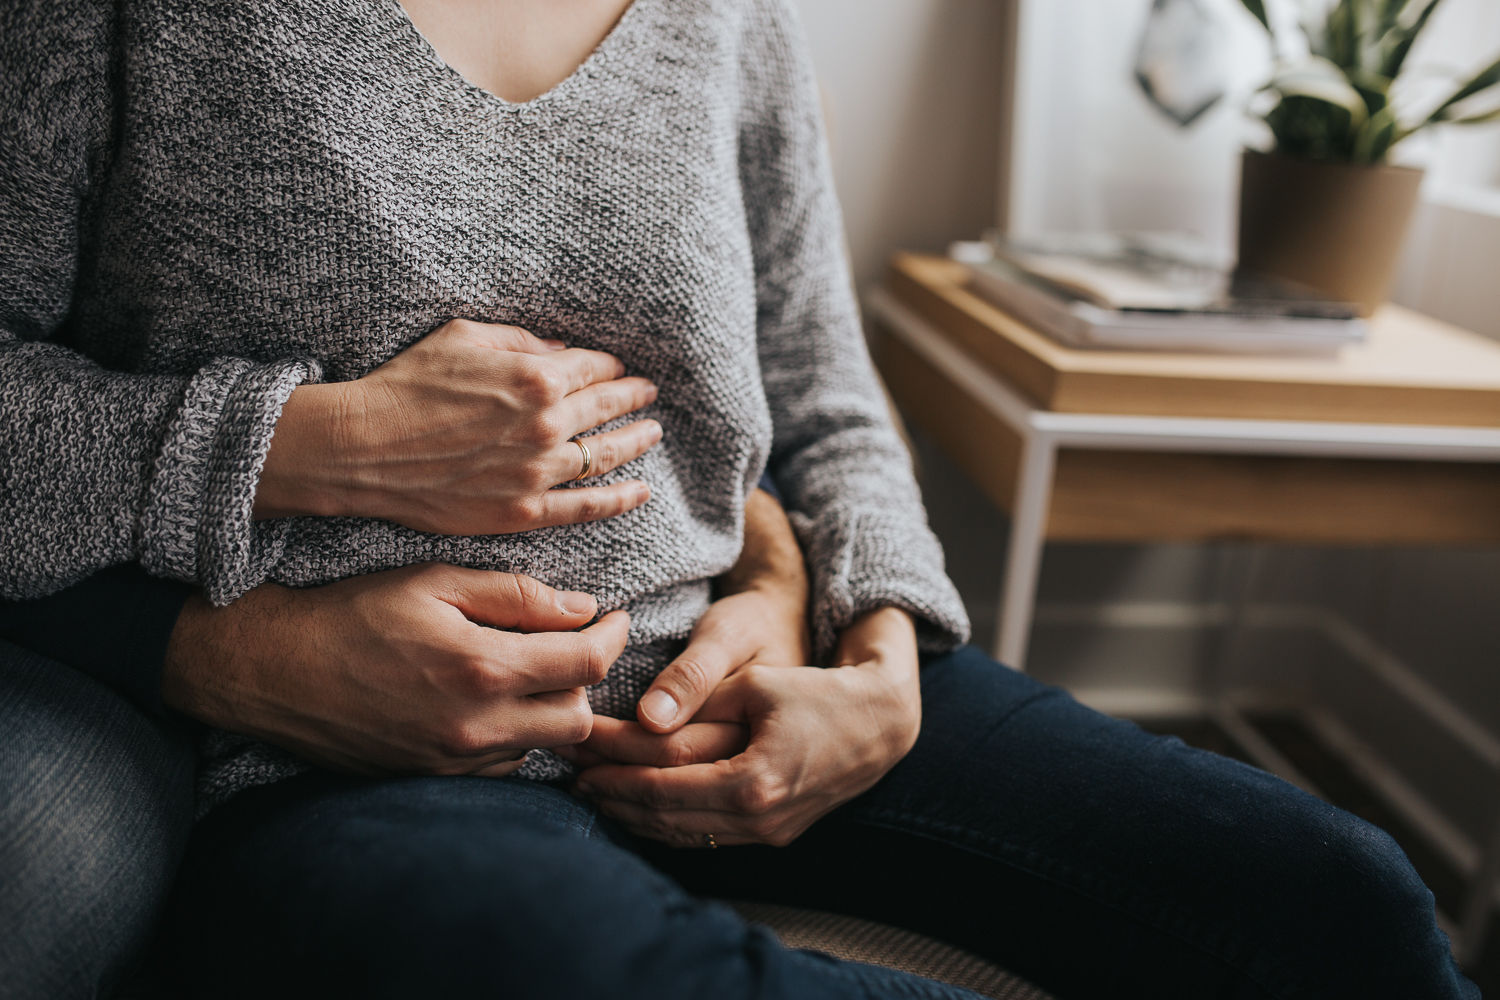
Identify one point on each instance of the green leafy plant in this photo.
(1336, 102)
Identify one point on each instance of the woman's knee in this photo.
(95, 806)
(1298, 893)
(1229, 857)
(1356, 895)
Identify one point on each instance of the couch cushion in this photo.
(878, 944)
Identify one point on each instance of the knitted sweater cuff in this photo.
(862, 560)
(197, 524)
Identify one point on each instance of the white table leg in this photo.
(1023, 560)
(1480, 904)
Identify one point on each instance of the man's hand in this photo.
(390, 674)
(463, 433)
(817, 738)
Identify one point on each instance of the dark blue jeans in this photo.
(1077, 850)
(96, 803)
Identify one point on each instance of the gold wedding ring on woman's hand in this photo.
(588, 461)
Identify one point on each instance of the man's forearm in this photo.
(114, 626)
(771, 558)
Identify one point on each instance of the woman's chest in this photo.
(515, 49)
(296, 179)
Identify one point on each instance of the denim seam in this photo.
(997, 723)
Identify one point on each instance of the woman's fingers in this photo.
(581, 368)
(628, 743)
(577, 366)
(716, 786)
(602, 402)
(728, 636)
(684, 827)
(606, 451)
(500, 337)
(681, 689)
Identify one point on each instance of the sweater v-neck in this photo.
(434, 60)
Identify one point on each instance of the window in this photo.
(1090, 154)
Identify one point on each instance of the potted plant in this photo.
(1324, 207)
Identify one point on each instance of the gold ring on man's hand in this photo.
(708, 840)
(588, 460)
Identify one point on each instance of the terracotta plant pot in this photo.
(1335, 227)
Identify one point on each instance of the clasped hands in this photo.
(395, 672)
(758, 753)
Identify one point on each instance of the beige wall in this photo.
(1448, 267)
(913, 93)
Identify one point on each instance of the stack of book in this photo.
(1152, 292)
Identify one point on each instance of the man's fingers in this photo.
(628, 743)
(501, 769)
(556, 661)
(551, 719)
(604, 401)
(510, 727)
(509, 600)
(606, 451)
(590, 503)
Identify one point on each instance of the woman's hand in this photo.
(465, 432)
(817, 738)
(757, 626)
(388, 673)
(760, 617)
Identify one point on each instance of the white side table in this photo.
(1044, 432)
(1040, 434)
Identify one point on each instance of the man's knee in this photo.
(95, 805)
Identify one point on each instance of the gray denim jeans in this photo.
(96, 803)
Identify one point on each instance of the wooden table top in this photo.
(1411, 370)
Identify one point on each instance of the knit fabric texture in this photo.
(204, 204)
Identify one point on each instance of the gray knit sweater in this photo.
(204, 203)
